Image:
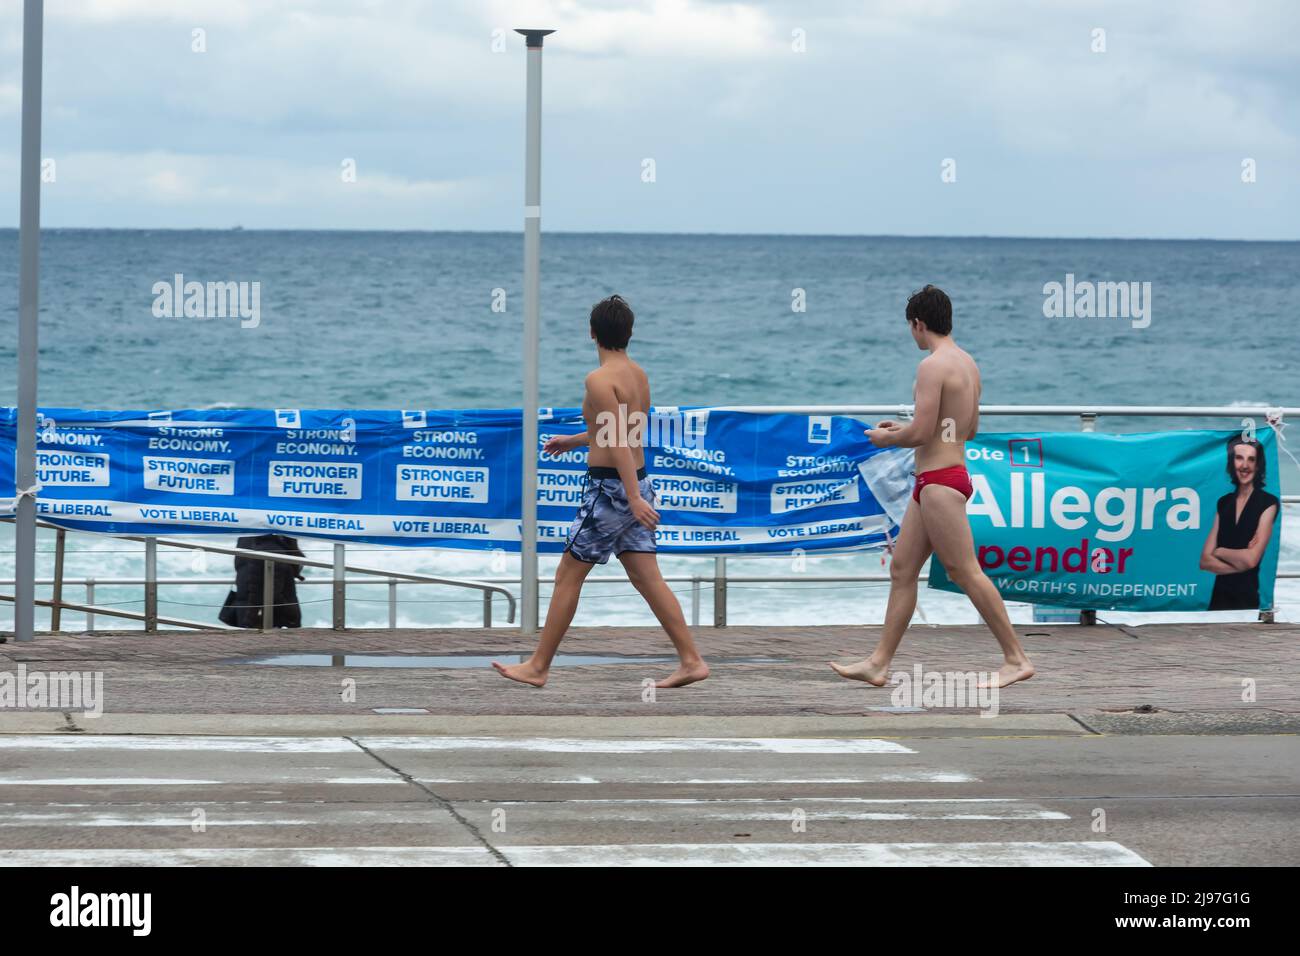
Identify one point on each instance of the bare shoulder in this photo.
(934, 365)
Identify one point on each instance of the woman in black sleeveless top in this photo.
(1243, 525)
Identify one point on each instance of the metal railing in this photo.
(719, 580)
(269, 559)
(1082, 412)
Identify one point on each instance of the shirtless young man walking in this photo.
(617, 514)
(947, 398)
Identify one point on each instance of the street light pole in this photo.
(528, 603)
(29, 244)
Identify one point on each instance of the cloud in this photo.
(844, 137)
(673, 29)
(11, 99)
(195, 12)
(158, 180)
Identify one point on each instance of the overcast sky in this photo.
(787, 117)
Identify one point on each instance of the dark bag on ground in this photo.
(243, 607)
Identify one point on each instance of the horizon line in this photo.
(702, 234)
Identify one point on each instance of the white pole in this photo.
(29, 234)
(532, 292)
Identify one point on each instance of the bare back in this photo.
(953, 374)
(631, 387)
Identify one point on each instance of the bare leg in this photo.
(569, 576)
(643, 571)
(944, 510)
(910, 551)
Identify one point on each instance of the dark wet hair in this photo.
(1233, 442)
(932, 308)
(611, 320)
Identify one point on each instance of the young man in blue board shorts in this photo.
(617, 514)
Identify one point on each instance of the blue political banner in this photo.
(727, 482)
(1142, 522)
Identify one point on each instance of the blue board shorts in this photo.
(604, 524)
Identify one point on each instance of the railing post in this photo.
(487, 608)
(150, 585)
(90, 602)
(720, 591)
(268, 595)
(392, 603)
(695, 600)
(56, 598)
(1088, 423)
(340, 588)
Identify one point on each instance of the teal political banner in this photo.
(1160, 521)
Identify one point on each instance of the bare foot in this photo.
(686, 674)
(525, 673)
(866, 671)
(1009, 674)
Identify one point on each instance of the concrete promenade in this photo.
(1133, 747)
(1161, 678)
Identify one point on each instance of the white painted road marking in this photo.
(258, 856)
(302, 745)
(695, 776)
(647, 745)
(778, 745)
(19, 780)
(760, 809)
(248, 813)
(213, 761)
(1098, 853)
(235, 814)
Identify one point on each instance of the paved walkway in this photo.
(1187, 674)
(774, 760)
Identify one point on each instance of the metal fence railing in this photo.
(151, 582)
(339, 580)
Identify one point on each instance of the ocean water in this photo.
(402, 320)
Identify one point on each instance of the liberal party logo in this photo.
(413, 419)
(696, 421)
(819, 429)
(288, 418)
